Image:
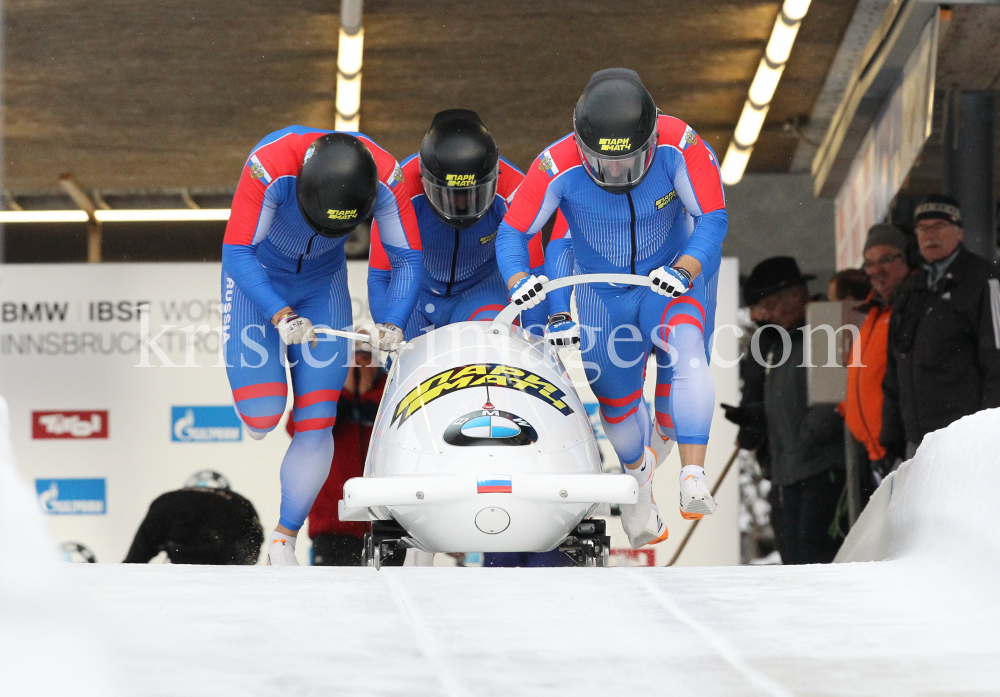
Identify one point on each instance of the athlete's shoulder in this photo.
(675, 133)
(509, 178)
(280, 153)
(559, 157)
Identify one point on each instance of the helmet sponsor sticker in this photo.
(460, 179)
(257, 170)
(69, 424)
(661, 202)
(205, 425)
(490, 426)
(479, 375)
(338, 214)
(72, 496)
(614, 144)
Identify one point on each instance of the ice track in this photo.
(926, 622)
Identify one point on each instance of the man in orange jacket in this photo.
(886, 263)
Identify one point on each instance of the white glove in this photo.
(528, 292)
(386, 337)
(562, 330)
(296, 330)
(671, 281)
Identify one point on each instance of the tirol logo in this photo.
(479, 375)
(72, 496)
(490, 426)
(614, 143)
(205, 425)
(661, 202)
(338, 214)
(69, 424)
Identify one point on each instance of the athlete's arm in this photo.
(379, 277)
(253, 208)
(698, 183)
(400, 240)
(534, 202)
(558, 263)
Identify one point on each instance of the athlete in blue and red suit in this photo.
(284, 271)
(643, 195)
(460, 187)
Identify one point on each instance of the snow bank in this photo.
(45, 647)
(942, 504)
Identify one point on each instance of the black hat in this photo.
(940, 207)
(772, 275)
(886, 233)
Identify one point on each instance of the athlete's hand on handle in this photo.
(528, 292)
(386, 337)
(671, 281)
(294, 329)
(562, 330)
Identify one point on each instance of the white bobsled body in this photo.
(481, 444)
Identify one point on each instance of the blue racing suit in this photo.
(677, 209)
(271, 259)
(461, 281)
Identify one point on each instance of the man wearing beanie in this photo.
(887, 253)
(943, 361)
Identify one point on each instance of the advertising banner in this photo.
(118, 394)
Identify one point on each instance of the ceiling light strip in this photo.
(161, 215)
(765, 82)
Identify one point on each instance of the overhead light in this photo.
(161, 215)
(765, 82)
(734, 163)
(117, 216)
(350, 52)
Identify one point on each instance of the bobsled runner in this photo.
(481, 444)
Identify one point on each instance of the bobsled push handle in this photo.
(510, 312)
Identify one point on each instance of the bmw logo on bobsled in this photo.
(490, 426)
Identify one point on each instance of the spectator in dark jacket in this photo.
(944, 335)
(206, 522)
(806, 443)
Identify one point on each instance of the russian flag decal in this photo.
(494, 484)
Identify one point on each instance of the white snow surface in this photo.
(923, 622)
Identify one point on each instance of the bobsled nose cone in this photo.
(492, 520)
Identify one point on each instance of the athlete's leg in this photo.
(317, 378)
(422, 319)
(614, 353)
(677, 327)
(253, 350)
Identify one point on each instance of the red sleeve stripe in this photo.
(377, 258)
(536, 255)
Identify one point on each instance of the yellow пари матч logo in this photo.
(613, 144)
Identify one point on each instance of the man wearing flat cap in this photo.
(943, 361)
(805, 443)
(888, 253)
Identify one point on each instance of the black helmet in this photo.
(337, 184)
(458, 167)
(615, 127)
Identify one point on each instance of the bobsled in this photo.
(481, 444)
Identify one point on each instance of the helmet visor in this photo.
(609, 170)
(460, 199)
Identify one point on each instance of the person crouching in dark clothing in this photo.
(944, 335)
(206, 522)
(806, 443)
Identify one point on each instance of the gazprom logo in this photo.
(205, 425)
(72, 496)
